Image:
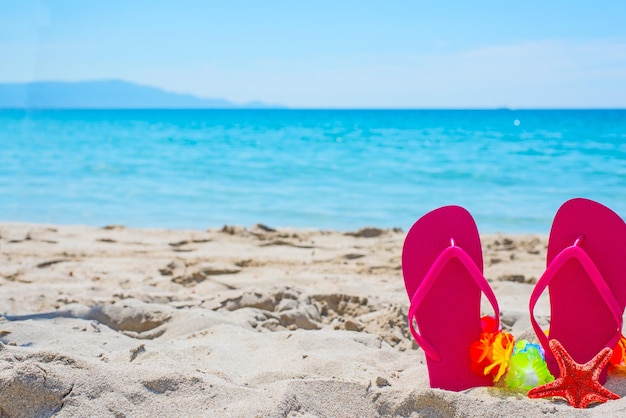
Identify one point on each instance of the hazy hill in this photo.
(109, 94)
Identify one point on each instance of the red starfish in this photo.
(578, 383)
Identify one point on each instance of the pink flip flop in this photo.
(585, 280)
(442, 265)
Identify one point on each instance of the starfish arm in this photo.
(553, 388)
(560, 355)
(600, 397)
(594, 393)
(599, 362)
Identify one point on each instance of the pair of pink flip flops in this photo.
(442, 266)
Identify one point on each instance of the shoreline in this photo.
(256, 225)
(236, 322)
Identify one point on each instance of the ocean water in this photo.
(330, 169)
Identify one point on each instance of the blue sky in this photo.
(331, 54)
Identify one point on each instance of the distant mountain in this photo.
(106, 94)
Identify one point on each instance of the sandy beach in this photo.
(238, 322)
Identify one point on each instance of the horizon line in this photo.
(280, 108)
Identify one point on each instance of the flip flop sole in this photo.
(448, 316)
(581, 319)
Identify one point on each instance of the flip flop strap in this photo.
(576, 252)
(435, 270)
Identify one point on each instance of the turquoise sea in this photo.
(330, 169)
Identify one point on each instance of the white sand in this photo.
(239, 322)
